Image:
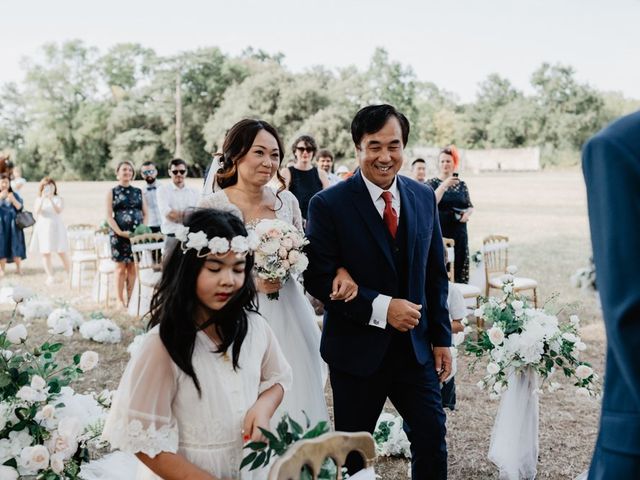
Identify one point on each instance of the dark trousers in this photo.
(155, 229)
(414, 391)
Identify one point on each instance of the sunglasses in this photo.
(307, 149)
(178, 172)
(148, 172)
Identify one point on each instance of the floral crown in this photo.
(199, 241)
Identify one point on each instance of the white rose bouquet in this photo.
(278, 252)
(44, 424)
(522, 337)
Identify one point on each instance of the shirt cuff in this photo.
(379, 309)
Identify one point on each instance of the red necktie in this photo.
(389, 216)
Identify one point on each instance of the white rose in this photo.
(512, 269)
(7, 354)
(583, 372)
(497, 387)
(494, 396)
(294, 257)
(18, 294)
(17, 334)
(88, 361)
(464, 321)
(30, 395)
(218, 245)
(38, 383)
(575, 320)
(480, 384)
(283, 253)
(46, 413)
(239, 244)
(457, 338)
(35, 458)
(285, 264)
(287, 243)
(302, 263)
(60, 326)
(197, 240)
(57, 463)
(570, 337)
(182, 233)
(582, 392)
(253, 240)
(493, 368)
(8, 473)
(70, 427)
(507, 278)
(270, 247)
(581, 346)
(517, 305)
(467, 330)
(507, 289)
(496, 335)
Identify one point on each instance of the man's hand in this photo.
(343, 287)
(175, 216)
(442, 357)
(403, 315)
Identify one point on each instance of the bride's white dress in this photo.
(293, 321)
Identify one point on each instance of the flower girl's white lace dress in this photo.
(294, 323)
(157, 407)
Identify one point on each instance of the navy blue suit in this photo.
(369, 364)
(611, 165)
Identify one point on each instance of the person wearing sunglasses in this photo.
(149, 174)
(304, 179)
(175, 198)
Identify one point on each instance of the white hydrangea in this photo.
(101, 330)
(71, 314)
(35, 307)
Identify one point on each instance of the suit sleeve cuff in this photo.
(379, 309)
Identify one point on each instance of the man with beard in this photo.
(149, 174)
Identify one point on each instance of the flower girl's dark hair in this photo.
(174, 303)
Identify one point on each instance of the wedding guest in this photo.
(149, 173)
(12, 246)
(126, 209)
(457, 312)
(419, 170)
(454, 208)
(49, 233)
(212, 363)
(17, 181)
(611, 166)
(325, 162)
(303, 179)
(175, 199)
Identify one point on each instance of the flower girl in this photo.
(209, 371)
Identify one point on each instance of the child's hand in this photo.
(257, 416)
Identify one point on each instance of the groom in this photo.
(392, 341)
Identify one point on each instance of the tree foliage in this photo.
(78, 111)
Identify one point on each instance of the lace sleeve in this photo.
(274, 367)
(141, 419)
(293, 205)
(219, 201)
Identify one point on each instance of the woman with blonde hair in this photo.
(49, 233)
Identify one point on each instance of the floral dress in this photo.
(157, 407)
(127, 212)
(456, 197)
(11, 237)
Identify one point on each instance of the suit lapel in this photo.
(366, 208)
(409, 212)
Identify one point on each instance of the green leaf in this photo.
(55, 347)
(248, 459)
(76, 359)
(5, 379)
(256, 445)
(297, 428)
(259, 461)
(319, 429)
(269, 436)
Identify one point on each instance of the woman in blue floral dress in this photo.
(12, 246)
(126, 209)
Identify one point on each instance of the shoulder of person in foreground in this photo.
(623, 132)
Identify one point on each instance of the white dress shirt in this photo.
(170, 198)
(380, 305)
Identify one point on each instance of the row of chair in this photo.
(91, 247)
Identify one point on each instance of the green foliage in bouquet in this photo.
(288, 432)
(141, 229)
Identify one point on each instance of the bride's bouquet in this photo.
(279, 253)
(528, 339)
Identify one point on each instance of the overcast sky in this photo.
(454, 43)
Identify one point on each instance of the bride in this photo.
(251, 156)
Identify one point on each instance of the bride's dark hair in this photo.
(237, 143)
(174, 304)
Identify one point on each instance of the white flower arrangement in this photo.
(390, 437)
(199, 241)
(44, 425)
(278, 253)
(135, 344)
(524, 338)
(63, 317)
(101, 330)
(35, 307)
(14, 294)
(585, 278)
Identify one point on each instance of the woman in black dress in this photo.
(303, 179)
(454, 207)
(126, 209)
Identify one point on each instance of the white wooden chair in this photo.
(106, 266)
(82, 251)
(147, 254)
(495, 250)
(313, 453)
(469, 292)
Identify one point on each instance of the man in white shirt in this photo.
(175, 199)
(149, 174)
